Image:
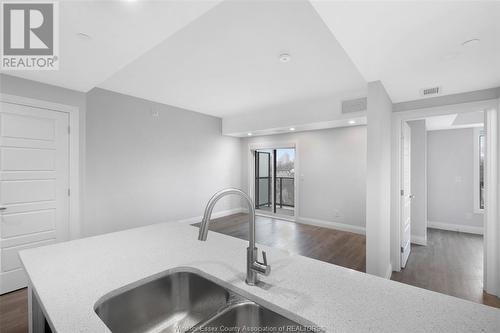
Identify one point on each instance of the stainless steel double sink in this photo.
(187, 302)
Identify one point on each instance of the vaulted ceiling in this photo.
(223, 57)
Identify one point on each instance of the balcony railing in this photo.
(285, 191)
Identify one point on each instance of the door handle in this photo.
(411, 196)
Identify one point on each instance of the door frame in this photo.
(74, 152)
(397, 122)
(252, 147)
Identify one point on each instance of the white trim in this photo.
(397, 120)
(332, 225)
(476, 160)
(491, 256)
(215, 215)
(272, 145)
(419, 240)
(74, 153)
(466, 97)
(388, 272)
(446, 109)
(455, 227)
(251, 168)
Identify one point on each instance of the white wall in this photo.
(450, 180)
(332, 164)
(378, 181)
(143, 169)
(418, 156)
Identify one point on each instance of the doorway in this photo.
(442, 201)
(275, 181)
(39, 166)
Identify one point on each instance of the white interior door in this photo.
(34, 182)
(406, 195)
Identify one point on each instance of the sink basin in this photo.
(187, 302)
(252, 317)
(173, 303)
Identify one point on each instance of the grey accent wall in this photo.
(418, 156)
(143, 169)
(450, 172)
(332, 176)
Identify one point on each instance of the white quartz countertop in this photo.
(69, 278)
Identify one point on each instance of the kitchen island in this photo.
(68, 279)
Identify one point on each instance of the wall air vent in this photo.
(430, 91)
(354, 105)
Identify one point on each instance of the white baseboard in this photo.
(419, 240)
(215, 215)
(455, 227)
(332, 225)
(13, 280)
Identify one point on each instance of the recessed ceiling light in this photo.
(249, 134)
(352, 122)
(83, 35)
(471, 42)
(285, 57)
(292, 128)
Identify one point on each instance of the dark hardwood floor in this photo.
(451, 263)
(336, 247)
(14, 312)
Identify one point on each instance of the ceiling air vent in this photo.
(430, 91)
(354, 105)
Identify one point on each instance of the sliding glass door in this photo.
(275, 181)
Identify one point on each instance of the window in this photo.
(481, 170)
(479, 152)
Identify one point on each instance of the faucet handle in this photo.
(264, 257)
(263, 267)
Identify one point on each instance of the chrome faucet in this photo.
(254, 266)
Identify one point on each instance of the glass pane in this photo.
(285, 173)
(285, 160)
(264, 191)
(287, 191)
(481, 171)
(264, 164)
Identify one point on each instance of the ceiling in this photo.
(222, 57)
(120, 31)
(228, 61)
(455, 121)
(410, 45)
